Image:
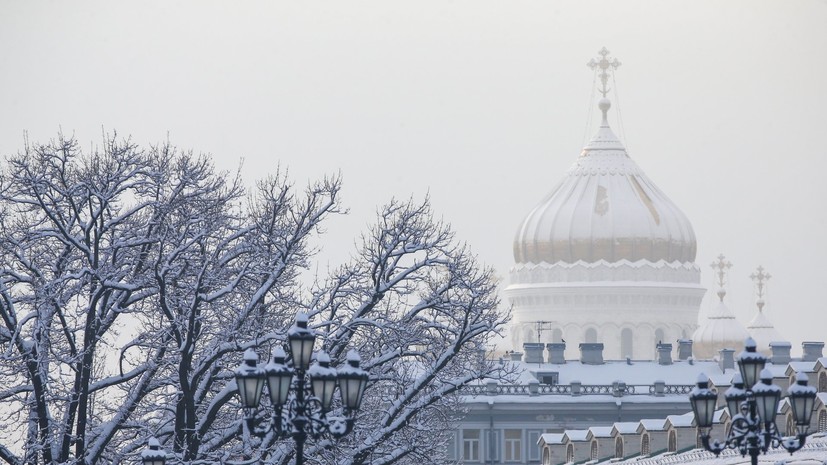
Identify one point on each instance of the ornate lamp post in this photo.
(306, 413)
(753, 409)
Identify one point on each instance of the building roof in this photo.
(625, 427)
(575, 435)
(551, 438)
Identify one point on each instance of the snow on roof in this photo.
(551, 438)
(625, 427)
(639, 372)
(653, 424)
(806, 367)
(601, 431)
(681, 421)
(814, 452)
(822, 397)
(576, 434)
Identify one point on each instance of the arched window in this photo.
(569, 453)
(790, 425)
(699, 443)
(619, 448)
(822, 420)
(594, 449)
(673, 441)
(590, 336)
(529, 334)
(644, 444)
(822, 382)
(546, 456)
(627, 338)
(556, 335)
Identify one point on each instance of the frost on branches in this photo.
(132, 280)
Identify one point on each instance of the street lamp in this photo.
(753, 409)
(306, 413)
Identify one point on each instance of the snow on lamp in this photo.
(250, 379)
(352, 381)
(767, 396)
(802, 400)
(323, 380)
(279, 377)
(153, 454)
(735, 395)
(301, 342)
(703, 402)
(750, 362)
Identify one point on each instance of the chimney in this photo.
(664, 354)
(591, 353)
(684, 349)
(812, 351)
(556, 353)
(516, 356)
(780, 352)
(533, 352)
(726, 360)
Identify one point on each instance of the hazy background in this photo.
(482, 104)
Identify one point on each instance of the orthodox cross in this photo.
(606, 66)
(721, 266)
(760, 278)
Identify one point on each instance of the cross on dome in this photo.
(760, 278)
(721, 266)
(606, 66)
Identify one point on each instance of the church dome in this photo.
(720, 329)
(605, 209)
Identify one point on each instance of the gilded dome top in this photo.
(605, 208)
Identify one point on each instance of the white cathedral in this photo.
(608, 258)
(605, 282)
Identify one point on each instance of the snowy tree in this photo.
(131, 280)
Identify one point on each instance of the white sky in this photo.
(482, 104)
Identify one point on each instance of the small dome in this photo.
(605, 208)
(763, 331)
(720, 330)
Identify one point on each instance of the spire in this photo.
(605, 139)
(760, 278)
(606, 67)
(760, 327)
(721, 266)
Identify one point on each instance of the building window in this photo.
(471, 445)
(822, 420)
(619, 448)
(594, 449)
(644, 444)
(790, 425)
(569, 453)
(546, 456)
(822, 382)
(590, 336)
(513, 445)
(627, 339)
(557, 335)
(673, 441)
(699, 443)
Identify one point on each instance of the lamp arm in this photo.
(793, 443)
(716, 447)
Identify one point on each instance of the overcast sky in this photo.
(482, 104)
